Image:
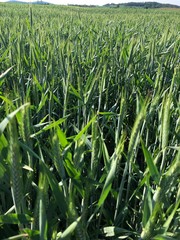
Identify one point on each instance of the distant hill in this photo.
(142, 5)
(14, 1)
(37, 2)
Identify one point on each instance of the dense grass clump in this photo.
(89, 123)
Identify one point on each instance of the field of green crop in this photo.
(89, 123)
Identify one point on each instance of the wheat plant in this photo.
(89, 123)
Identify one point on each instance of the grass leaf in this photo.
(9, 117)
(150, 163)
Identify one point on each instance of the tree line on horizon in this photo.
(133, 4)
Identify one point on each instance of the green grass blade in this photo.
(48, 127)
(80, 134)
(56, 190)
(15, 218)
(150, 163)
(6, 72)
(5, 122)
(67, 233)
(111, 172)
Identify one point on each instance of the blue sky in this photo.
(102, 2)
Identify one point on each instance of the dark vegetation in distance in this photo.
(142, 5)
(82, 5)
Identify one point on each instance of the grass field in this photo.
(89, 123)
